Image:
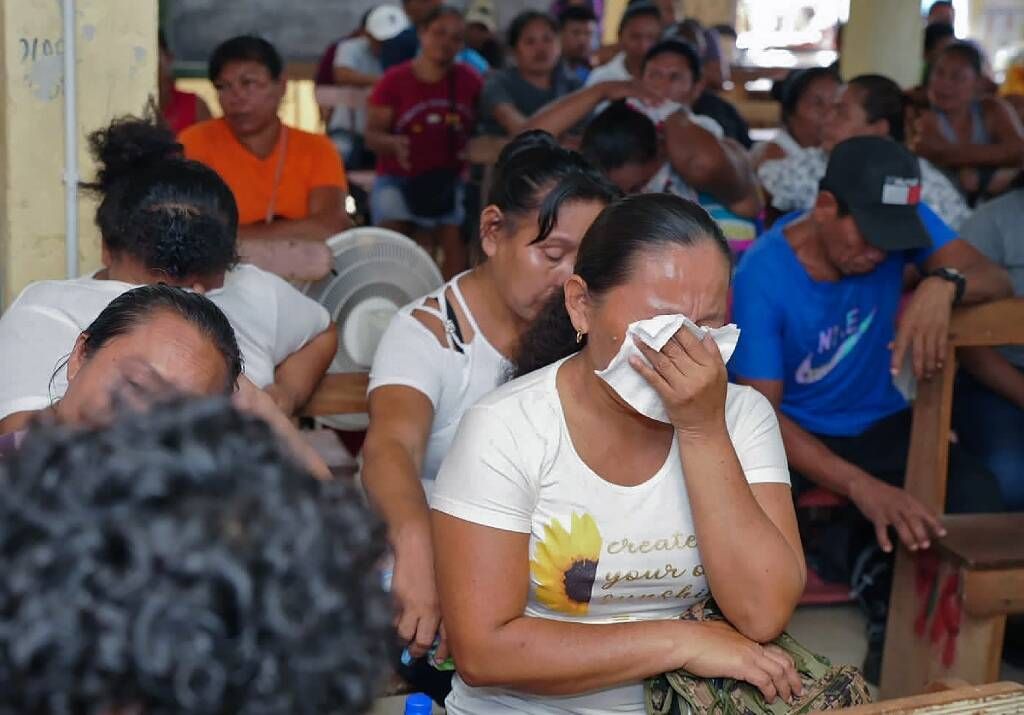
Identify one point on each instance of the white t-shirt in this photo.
(271, 321)
(410, 355)
(600, 552)
(355, 54)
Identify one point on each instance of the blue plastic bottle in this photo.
(418, 704)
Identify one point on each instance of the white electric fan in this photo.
(376, 271)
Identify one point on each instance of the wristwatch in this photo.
(953, 276)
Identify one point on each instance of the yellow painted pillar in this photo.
(884, 37)
(712, 12)
(116, 61)
(613, 10)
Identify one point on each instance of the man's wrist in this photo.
(855, 481)
(954, 279)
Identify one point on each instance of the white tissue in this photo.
(630, 385)
(657, 113)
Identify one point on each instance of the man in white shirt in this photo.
(639, 30)
(357, 66)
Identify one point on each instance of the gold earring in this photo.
(579, 336)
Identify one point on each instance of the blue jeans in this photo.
(992, 429)
(387, 203)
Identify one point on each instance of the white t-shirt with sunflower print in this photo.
(600, 552)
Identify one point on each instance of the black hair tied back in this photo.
(534, 173)
(175, 216)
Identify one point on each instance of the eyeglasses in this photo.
(244, 85)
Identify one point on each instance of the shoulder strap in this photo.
(453, 112)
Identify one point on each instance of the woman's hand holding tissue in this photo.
(689, 375)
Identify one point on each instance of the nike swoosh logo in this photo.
(807, 375)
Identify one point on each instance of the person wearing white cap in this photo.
(481, 28)
(357, 64)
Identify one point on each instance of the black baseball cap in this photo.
(879, 183)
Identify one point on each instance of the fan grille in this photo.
(376, 265)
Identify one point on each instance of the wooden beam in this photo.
(990, 593)
(928, 459)
(983, 695)
(998, 323)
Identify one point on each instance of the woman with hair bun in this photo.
(162, 219)
(444, 351)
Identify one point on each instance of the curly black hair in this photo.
(174, 215)
(178, 561)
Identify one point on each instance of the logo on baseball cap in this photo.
(879, 182)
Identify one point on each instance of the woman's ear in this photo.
(77, 357)
(492, 225)
(577, 303)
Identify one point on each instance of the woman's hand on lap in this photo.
(723, 652)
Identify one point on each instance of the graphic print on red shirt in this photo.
(422, 111)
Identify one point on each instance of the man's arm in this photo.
(923, 328)
(563, 114)
(880, 503)
(991, 369)
(510, 118)
(325, 218)
(986, 280)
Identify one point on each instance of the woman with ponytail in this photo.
(443, 352)
(162, 219)
(587, 528)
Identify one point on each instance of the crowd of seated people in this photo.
(584, 473)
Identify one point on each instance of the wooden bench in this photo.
(993, 699)
(342, 393)
(948, 608)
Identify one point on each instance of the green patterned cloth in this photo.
(826, 686)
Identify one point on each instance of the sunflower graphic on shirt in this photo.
(565, 564)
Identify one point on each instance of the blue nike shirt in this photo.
(827, 342)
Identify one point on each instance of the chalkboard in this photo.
(300, 29)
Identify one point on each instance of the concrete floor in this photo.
(836, 632)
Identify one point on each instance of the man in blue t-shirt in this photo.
(817, 299)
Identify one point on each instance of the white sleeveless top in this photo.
(452, 376)
(600, 552)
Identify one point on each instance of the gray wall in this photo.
(300, 29)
